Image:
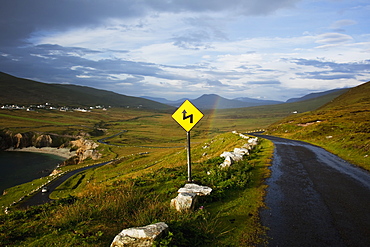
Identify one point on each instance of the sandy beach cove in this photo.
(62, 152)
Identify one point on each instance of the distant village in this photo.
(49, 106)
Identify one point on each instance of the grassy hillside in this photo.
(315, 95)
(135, 190)
(15, 90)
(341, 126)
(260, 117)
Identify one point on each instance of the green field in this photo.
(150, 166)
(148, 149)
(136, 189)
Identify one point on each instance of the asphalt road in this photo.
(40, 198)
(314, 198)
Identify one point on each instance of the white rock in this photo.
(247, 146)
(227, 162)
(140, 236)
(234, 156)
(184, 201)
(225, 154)
(244, 136)
(195, 188)
(253, 140)
(242, 151)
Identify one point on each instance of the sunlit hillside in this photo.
(342, 126)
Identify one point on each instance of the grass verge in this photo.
(108, 203)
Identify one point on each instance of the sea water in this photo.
(22, 167)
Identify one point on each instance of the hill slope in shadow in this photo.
(14, 90)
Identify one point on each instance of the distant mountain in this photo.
(258, 101)
(165, 101)
(14, 90)
(315, 95)
(214, 101)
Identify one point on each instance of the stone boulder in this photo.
(234, 156)
(140, 236)
(247, 146)
(253, 141)
(242, 151)
(188, 196)
(227, 162)
(243, 136)
(184, 201)
(195, 188)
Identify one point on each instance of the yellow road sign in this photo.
(187, 115)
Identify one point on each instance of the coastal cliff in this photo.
(17, 141)
(8, 139)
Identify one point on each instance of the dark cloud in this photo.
(201, 31)
(57, 64)
(333, 70)
(68, 65)
(242, 7)
(131, 80)
(215, 83)
(327, 75)
(19, 18)
(193, 40)
(138, 26)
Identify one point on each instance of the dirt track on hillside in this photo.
(315, 198)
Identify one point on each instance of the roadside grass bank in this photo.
(341, 126)
(343, 131)
(97, 204)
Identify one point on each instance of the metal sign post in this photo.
(187, 115)
(189, 157)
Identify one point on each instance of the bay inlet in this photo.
(22, 167)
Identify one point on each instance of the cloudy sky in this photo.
(268, 49)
